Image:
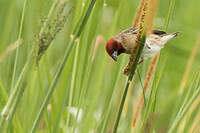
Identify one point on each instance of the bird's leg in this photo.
(130, 63)
(141, 60)
(128, 67)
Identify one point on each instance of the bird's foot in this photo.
(126, 71)
(141, 60)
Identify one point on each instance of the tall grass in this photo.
(76, 87)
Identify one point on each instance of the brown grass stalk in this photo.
(138, 14)
(186, 76)
(189, 64)
(149, 19)
(140, 22)
(99, 40)
(195, 126)
(147, 81)
(152, 10)
(10, 49)
(144, 19)
(196, 120)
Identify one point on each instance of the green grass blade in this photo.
(71, 91)
(17, 50)
(12, 97)
(183, 110)
(133, 69)
(58, 73)
(169, 14)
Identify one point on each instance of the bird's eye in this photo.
(112, 50)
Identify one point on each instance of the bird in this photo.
(125, 42)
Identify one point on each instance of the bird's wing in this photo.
(126, 35)
(130, 31)
(135, 30)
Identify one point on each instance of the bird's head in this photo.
(114, 48)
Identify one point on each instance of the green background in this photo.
(90, 76)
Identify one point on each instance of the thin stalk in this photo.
(157, 78)
(150, 107)
(153, 64)
(183, 111)
(116, 19)
(13, 109)
(186, 76)
(73, 82)
(49, 15)
(143, 92)
(3, 91)
(147, 111)
(51, 89)
(133, 69)
(80, 102)
(189, 65)
(8, 105)
(58, 73)
(169, 14)
(12, 97)
(82, 93)
(10, 49)
(39, 76)
(195, 84)
(62, 109)
(112, 97)
(147, 81)
(17, 50)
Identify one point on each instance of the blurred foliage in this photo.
(97, 80)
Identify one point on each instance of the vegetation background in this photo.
(85, 97)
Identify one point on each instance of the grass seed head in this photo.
(47, 33)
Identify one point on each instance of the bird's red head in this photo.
(114, 48)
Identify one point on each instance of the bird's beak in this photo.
(114, 55)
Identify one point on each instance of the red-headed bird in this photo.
(125, 42)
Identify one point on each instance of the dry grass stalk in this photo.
(189, 65)
(144, 18)
(99, 40)
(152, 10)
(147, 81)
(150, 122)
(10, 49)
(150, 19)
(138, 14)
(186, 76)
(196, 120)
(128, 96)
(195, 126)
(145, 15)
(141, 14)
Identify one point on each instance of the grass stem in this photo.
(58, 73)
(133, 69)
